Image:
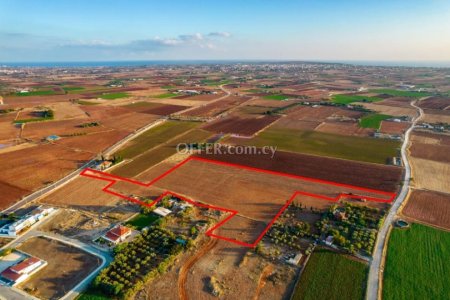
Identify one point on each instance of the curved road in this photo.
(373, 283)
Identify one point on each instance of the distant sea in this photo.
(81, 64)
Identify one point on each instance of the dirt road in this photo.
(262, 280)
(189, 264)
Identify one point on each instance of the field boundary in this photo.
(113, 179)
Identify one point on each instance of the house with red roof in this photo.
(21, 271)
(117, 234)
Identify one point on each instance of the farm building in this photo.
(13, 229)
(295, 260)
(162, 211)
(21, 271)
(117, 234)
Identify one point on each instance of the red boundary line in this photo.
(113, 179)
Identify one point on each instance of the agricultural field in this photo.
(215, 108)
(348, 128)
(422, 274)
(430, 146)
(165, 95)
(348, 99)
(160, 153)
(391, 127)
(113, 96)
(373, 120)
(240, 126)
(154, 137)
(421, 170)
(279, 97)
(390, 110)
(325, 144)
(67, 266)
(92, 200)
(400, 93)
(438, 103)
(320, 280)
(429, 207)
(265, 194)
(385, 178)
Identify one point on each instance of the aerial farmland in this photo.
(218, 184)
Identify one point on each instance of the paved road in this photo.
(373, 284)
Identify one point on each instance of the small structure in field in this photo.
(329, 240)
(295, 260)
(162, 211)
(104, 165)
(52, 138)
(117, 234)
(22, 271)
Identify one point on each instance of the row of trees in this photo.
(148, 255)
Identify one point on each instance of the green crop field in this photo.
(156, 155)
(279, 97)
(113, 96)
(347, 99)
(326, 144)
(216, 82)
(36, 93)
(373, 120)
(155, 136)
(330, 275)
(417, 264)
(166, 95)
(73, 88)
(142, 220)
(398, 93)
(84, 102)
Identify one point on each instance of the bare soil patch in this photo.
(429, 207)
(67, 266)
(344, 128)
(240, 126)
(390, 127)
(439, 103)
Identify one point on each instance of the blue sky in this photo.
(93, 30)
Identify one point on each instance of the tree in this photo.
(259, 249)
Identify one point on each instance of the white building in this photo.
(295, 260)
(162, 211)
(13, 229)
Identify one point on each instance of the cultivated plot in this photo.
(257, 196)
